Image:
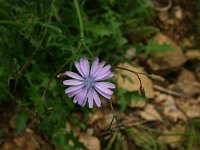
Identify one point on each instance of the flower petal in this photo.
(105, 76)
(80, 97)
(94, 66)
(71, 94)
(84, 102)
(96, 98)
(78, 67)
(105, 69)
(100, 66)
(83, 96)
(72, 82)
(103, 94)
(107, 85)
(73, 75)
(90, 98)
(111, 74)
(84, 64)
(73, 88)
(103, 89)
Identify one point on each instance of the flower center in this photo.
(89, 82)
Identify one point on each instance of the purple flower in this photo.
(85, 85)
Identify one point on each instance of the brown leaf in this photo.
(187, 83)
(171, 110)
(105, 121)
(150, 113)
(126, 84)
(167, 60)
(139, 104)
(193, 54)
(190, 106)
(91, 142)
(93, 117)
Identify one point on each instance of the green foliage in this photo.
(37, 37)
(125, 97)
(192, 139)
(153, 47)
(21, 121)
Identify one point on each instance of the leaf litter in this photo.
(161, 120)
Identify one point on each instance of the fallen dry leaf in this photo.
(150, 113)
(187, 84)
(93, 117)
(190, 106)
(178, 12)
(171, 110)
(130, 53)
(91, 142)
(186, 75)
(126, 84)
(26, 141)
(139, 104)
(167, 60)
(163, 16)
(105, 121)
(193, 54)
(160, 97)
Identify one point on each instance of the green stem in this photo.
(28, 62)
(152, 76)
(114, 116)
(135, 72)
(82, 28)
(87, 48)
(110, 144)
(79, 19)
(10, 22)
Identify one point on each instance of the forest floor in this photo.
(169, 118)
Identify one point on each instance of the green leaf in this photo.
(153, 47)
(21, 121)
(137, 97)
(125, 97)
(53, 27)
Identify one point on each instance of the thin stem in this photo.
(109, 128)
(79, 18)
(82, 28)
(87, 48)
(8, 22)
(152, 76)
(40, 37)
(136, 73)
(148, 14)
(114, 115)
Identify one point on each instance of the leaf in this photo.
(153, 47)
(150, 113)
(21, 121)
(53, 27)
(125, 97)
